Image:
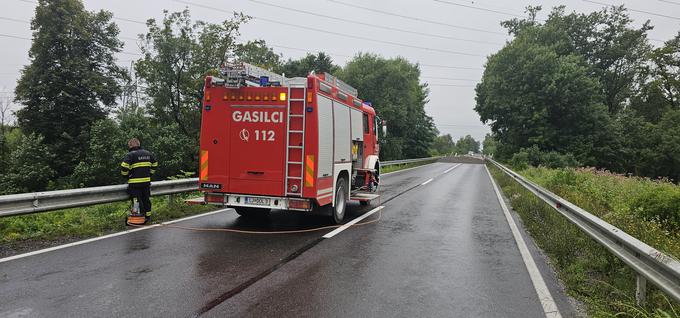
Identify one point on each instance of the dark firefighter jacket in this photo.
(138, 165)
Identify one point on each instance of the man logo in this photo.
(244, 134)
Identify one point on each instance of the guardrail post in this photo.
(171, 199)
(640, 290)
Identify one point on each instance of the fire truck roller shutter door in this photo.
(357, 125)
(342, 133)
(325, 113)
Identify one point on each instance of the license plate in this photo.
(257, 201)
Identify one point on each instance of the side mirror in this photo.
(384, 128)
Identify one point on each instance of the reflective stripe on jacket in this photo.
(138, 166)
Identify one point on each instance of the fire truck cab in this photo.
(301, 144)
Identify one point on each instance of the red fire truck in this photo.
(271, 142)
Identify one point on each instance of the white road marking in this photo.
(350, 223)
(454, 167)
(54, 248)
(544, 296)
(426, 182)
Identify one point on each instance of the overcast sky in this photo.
(451, 88)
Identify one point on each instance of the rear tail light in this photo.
(299, 204)
(215, 198)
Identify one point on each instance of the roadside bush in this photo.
(533, 156)
(660, 203)
(104, 151)
(520, 160)
(28, 166)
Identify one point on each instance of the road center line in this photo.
(547, 302)
(426, 182)
(449, 169)
(350, 223)
(54, 248)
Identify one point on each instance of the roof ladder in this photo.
(295, 136)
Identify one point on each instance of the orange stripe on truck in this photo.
(309, 171)
(204, 165)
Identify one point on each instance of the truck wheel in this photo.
(251, 212)
(338, 211)
(364, 203)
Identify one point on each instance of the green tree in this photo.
(660, 90)
(443, 144)
(28, 166)
(178, 54)
(534, 95)
(393, 86)
(639, 145)
(669, 145)
(258, 53)
(614, 51)
(319, 63)
(489, 145)
(467, 144)
(105, 149)
(72, 77)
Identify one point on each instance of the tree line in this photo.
(80, 106)
(584, 89)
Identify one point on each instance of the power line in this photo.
(27, 39)
(374, 25)
(452, 67)
(114, 17)
(14, 37)
(479, 8)
(451, 79)
(450, 85)
(349, 56)
(130, 20)
(635, 10)
(26, 21)
(414, 18)
(14, 20)
(309, 28)
(671, 2)
(459, 125)
(284, 47)
(308, 51)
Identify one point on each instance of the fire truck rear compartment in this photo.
(257, 148)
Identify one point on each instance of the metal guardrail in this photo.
(648, 263)
(26, 203)
(405, 161)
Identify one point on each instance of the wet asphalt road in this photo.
(443, 249)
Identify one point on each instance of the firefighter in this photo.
(138, 166)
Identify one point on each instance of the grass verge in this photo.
(34, 231)
(591, 274)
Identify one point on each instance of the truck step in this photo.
(363, 196)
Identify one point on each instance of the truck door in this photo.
(257, 137)
(214, 153)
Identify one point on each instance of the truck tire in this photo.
(248, 212)
(364, 203)
(338, 211)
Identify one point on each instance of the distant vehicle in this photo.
(270, 142)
